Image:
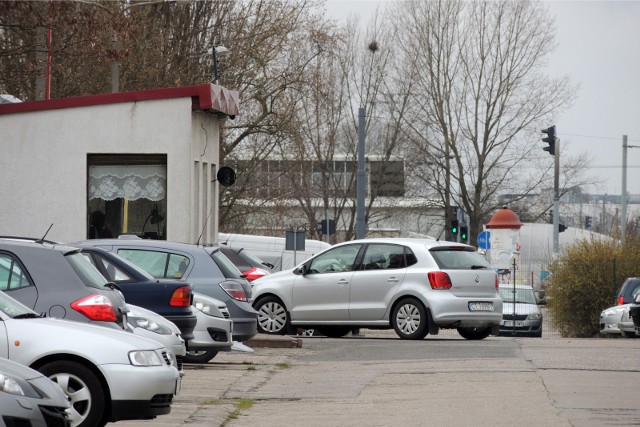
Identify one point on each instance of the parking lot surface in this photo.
(379, 380)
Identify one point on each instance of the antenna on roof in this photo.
(45, 234)
(202, 232)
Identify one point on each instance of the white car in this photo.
(213, 331)
(28, 398)
(611, 317)
(107, 374)
(150, 324)
(415, 286)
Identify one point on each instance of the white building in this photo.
(146, 160)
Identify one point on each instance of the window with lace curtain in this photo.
(127, 194)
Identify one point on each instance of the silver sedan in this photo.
(107, 374)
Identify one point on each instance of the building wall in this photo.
(43, 165)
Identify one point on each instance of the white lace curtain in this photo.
(132, 182)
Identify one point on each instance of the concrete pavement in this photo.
(536, 382)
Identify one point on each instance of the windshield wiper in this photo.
(27, 316)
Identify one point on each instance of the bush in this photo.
(585, 280)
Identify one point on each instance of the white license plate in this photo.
(480, 306)
(510, 323)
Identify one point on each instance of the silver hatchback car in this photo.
(415, 286)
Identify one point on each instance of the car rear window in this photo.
(87, 273)
(458, 258)
(229, 270)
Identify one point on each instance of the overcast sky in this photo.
(599, 49)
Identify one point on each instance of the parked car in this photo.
(610, 319)
(627, 328)
(28, 398)
(107, 374)
(149, 324)
(204, 266)
(520, 313)
(250, 266)
(172, 299)
(213, 331)
(634, 313)
(628, 291)
(58, 281)
(415, 286)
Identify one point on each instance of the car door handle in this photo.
(343, 282)
(392, 280)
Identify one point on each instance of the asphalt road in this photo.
(379, 380)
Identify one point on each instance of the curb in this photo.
(274, 341)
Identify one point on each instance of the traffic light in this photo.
(550, 139)
(587, 222)
(454, 227)
(463, 233)
(561, 228)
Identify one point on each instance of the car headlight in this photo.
(206, 307)
(613, 312)
(145, 358)
(534, 316)
(10, 385)
(148, 324)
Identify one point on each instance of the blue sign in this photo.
(484, 240)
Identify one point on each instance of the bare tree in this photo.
(480, 98)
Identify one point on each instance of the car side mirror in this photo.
(302, 270)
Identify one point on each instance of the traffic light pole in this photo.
(556, 197)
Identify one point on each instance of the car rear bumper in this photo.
(454, 312)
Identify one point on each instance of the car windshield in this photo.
(522, 296)
(458, 258)
(13, 308)
(87, 273)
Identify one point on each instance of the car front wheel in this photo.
(409, 319)
(474, 333)
(273, 317)
(82, 388)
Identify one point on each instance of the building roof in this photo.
(205, 97)
(505, 218)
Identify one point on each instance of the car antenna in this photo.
(440, 235)
(202, 232)
(45, 234)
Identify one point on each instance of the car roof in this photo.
(428, 243)
(12, 242)
(140, 243)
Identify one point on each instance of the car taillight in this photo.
(497, 282)
(439, 280)
(96, 307)
(620, 300)
(235, 290)
(254, 273)
(181, 297)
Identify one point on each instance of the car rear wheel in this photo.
(273, 317)
(334, 331)
(200, 356)
(82, 388)
(409, 319)
(474, 333)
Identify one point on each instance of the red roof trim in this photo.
(204, 97)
